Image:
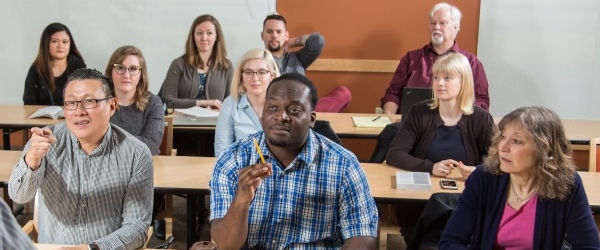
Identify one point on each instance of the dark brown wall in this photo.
(379, 30)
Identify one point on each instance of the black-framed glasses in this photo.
(133, 70)
(260, 73)
(86, 104)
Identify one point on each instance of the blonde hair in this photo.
(142, 94)
(458, 65)
(555, 171)
(237, 83)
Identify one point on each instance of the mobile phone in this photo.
(448, 184)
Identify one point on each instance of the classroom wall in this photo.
(542, 52)
(158, 27)
(381, 30)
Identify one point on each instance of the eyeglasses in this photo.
(86, 104)
(133, 70)
(261, 73)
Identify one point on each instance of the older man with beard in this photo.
(414, 69)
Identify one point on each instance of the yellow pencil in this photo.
(262, 158)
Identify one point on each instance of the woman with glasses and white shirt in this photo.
(139, 112)
(241, 110)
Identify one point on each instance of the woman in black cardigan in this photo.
(57, 57)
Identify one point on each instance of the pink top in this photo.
(516, 226)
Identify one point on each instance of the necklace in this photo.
(515, 193)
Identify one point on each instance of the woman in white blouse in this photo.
(241, 110)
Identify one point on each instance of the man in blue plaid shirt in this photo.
(310, 194)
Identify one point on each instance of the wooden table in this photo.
(15, 117)
(53, 246)
(344, 127)
(190, 176)
(182, 175)
(580, 131)
(382, 181)
(577, 131)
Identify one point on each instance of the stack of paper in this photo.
(371, 121)
(413, 180)
(197, 112)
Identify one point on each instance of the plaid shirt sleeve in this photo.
(358, 212)
(223, 183)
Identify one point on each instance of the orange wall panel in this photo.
(380, 30)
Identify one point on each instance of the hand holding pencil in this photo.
(262, 157)
(251, 176)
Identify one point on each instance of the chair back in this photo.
(384, 139)
(31, 227)
(593, 167)
(325, 129)
(166, 146)
(432, 221)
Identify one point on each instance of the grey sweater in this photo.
(148, 125)
(298, 61)
(182, 83)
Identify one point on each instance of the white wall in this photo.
(542, 52)
(158, 27)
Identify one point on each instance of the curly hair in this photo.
(555, 170)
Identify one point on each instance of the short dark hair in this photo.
(300, 79)
(275, 17)
(85, 73)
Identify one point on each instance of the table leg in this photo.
(191, 219)
(6, 138)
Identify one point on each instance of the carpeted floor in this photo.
(179, 226)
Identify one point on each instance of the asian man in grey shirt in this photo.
(94, 180)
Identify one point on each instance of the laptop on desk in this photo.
(189, 121)
(412, 96)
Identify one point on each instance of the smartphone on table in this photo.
(448, 184)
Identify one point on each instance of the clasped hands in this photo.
(445, 167)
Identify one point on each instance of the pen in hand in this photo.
(376, 118)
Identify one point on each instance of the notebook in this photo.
(197, 112)
(194, 121)
(371, 121)
(412, 180)
(53, 112)
(411, 96)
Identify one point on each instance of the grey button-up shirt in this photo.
(104, 197)
(11, 234)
